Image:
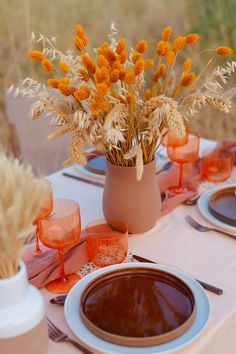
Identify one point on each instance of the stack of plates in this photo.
(218, 206)
(137, 308)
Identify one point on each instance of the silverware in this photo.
(58, 336)
(192, 201)
(166, 167)
(58, 300)
(202, 228)
(98, 184)
(206, 286)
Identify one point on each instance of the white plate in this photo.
(91, 175)
(95, 343)
(204, 210)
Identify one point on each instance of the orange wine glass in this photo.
(44, 212)
(61, 230)
(169, 139)
(183, 154)
(107, 242)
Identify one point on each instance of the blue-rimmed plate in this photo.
(203, 206)
(95, 343)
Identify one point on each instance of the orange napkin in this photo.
(166, 179)
(44, 267)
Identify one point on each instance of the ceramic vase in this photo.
(136, 203)
(23, 328)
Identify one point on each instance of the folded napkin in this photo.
(45, 267)
(167, 179)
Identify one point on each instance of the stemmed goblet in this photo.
(44, 212)
(61, 230)
(183, 154)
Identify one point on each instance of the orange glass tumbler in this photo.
(217, 165)
(62, 230)
(107, 242)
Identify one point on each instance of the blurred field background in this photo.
(214, 20)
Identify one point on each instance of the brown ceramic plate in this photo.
(96, 163)
(222, 204)
(137, 306)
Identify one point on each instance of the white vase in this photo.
(23, 327)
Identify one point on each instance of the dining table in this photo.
(208, 256)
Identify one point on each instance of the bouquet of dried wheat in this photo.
(122, 100)
(21, 199)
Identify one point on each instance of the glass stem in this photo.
(62, 269)
(181, 166)
(37, 248)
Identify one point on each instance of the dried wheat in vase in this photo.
(121, 100)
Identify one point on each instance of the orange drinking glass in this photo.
(45, 211)
(182, 155)
(169, 139)
(61, 230)
(107, 242)
(217, 165)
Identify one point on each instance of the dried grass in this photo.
(21, 199)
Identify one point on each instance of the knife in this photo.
(206, 286)
(98, 184)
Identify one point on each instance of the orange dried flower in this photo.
(115, 75)
(47, 65)
(123, 57)
(187, 64)
(130, 98)
(108, 54)
(139, 67)
(120, 46)
(135, 57)
(161, 48)
(148, 94)
(85, 40)
(53, 83)
(166, 33)
(178, 43)
(102, 89)
(63, 66)
(82, 93)
(64, 89)
(88, 63)
(101, 75)
(159, 72)
(94, 108)
(105, 106)
(122, 74)
(79, 31)
(170, 57)
(192, 38)
(97, 98)
(187, 79)
(224, 50)
(141, 46)
(79, 44)
(64, 80)
(116, 65)
(102, 61)
(129, 77)
(35, 55)
(148, 63)
(84, 75)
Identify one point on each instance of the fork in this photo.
(58, 336)
(202, 228)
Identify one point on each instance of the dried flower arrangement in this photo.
(21, 199)
(110, 100)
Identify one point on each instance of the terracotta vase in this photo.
(136, 203)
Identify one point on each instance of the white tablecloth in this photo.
(206, 256)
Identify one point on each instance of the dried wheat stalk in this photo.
(21, 199)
